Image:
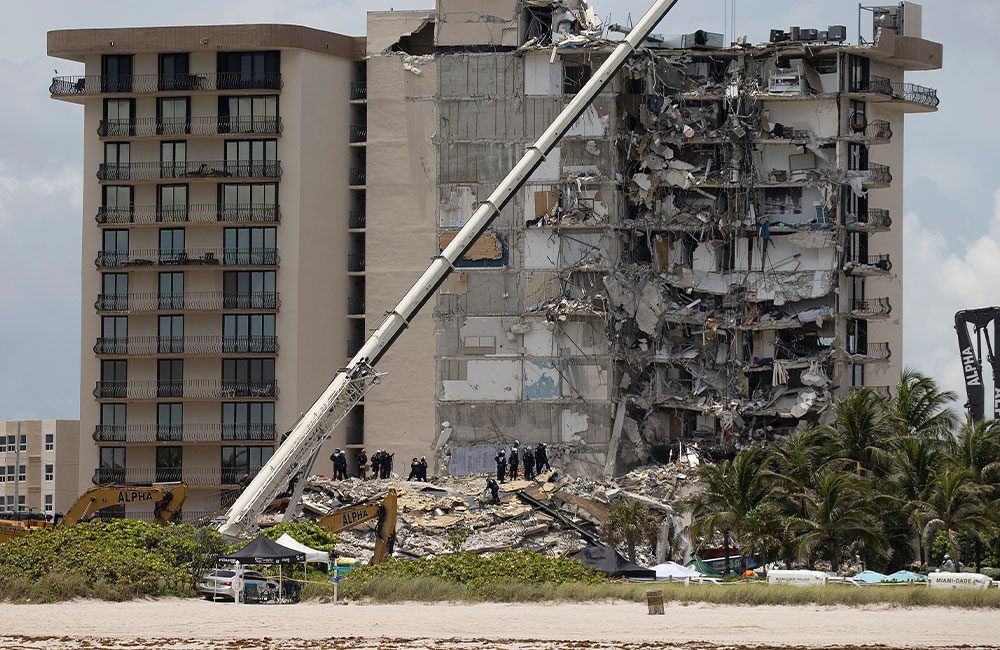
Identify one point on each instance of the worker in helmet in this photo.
(501, 460)
(362, 459)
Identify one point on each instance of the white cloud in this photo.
(65, 182)
(941, 280)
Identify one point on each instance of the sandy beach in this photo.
(175, 624)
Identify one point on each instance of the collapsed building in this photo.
(710, 257)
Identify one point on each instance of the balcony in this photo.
(138, 84)
(359, 90)
(206, 389)
(359, 133)
(196, 213)
(356, 306)
(190, 475)
(858, 265)
(154, 257)
(191, 301)
(155, 126)
(877, 219)
(876, 132)
(882, 391)
(868, 352)
(153, 433)
(870, 308)
(189, 170)
(356, 178)
(356, 262)
(355, 435)
(356, 219)
(185, 345)
(874, 176)
(922, 96)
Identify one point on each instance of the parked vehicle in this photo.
(219, 584)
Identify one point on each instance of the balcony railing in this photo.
(357, 176)
(875, 219)
(138, 126)
(356, 262)
(861, 264)
(875, 130)
(152, 83)
(190, 475)
(195, 300)
(153, 345)
(356, 305)
(876, 351)
(874, 175)
(183, 433)
(189, 169)
(901, 91)
(356, 219)
(189, 388)
(359, 90)
(187, 257)
(355, 435)
(871, 307)
(196, 213)
(359, 133)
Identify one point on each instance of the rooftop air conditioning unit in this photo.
(702, 40)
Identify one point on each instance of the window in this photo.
(48, 503)
(237, 461)
(248, 70)
(248, 333)
(22, 473)
(23, 446)
(170, 335)
(169, 421)
(859, 73)
(50, 472)
(251, 114)
(248, 377)
(114, 248)
(248, 421)
(10, 502)
(454, 370)
(174, 69)
(248, 202)
(857, 336)
(112, 465)
(21, 499)
(857, 156)
(480, 345)
(173, 115)
(173, 159)
(114, 378)
(171, 290)
(250, 245)
(725, 256)
(857, 247)
(117, 205)
(252, 158)
(170, 378)
(574, 78)
(11, 473)
(172, 203)
(119, 118)
(114, 335)
(114, 292)
(50, 440)
(169, 463)
(116, 73)
(112, 427)
(3, 444)
(249, 290)
(117, 156)
(856, 373)
(172, 246)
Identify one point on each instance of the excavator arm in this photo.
(352, 516)
(167, 500)
(972, 357)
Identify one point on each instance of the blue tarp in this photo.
(905, 576)
(870, 577)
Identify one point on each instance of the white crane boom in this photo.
(294, 456)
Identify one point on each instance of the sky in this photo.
(951, 225)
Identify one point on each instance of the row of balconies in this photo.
(206, 389)
(136, 84)
(151, 433)
(190, 475)
(147, 257)
(189, 170)
(220, 124)
(189, 301)
(195, 213)
(185, 345)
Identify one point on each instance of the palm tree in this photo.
(976, 448)
(955, 506)
(862, 432)
(916, 463)
(733, 489)
(920, 409)
(838, 516)
(630, 522)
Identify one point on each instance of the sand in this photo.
(175, 624)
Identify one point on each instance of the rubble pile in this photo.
(555, 514)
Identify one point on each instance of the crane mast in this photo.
(292, 459)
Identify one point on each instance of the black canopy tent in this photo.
(263, 551)
(607, 560)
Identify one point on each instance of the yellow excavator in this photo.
(352, 516)
(167, 499)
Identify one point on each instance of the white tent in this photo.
(312, 555)
(674, 571)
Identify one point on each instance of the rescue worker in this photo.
(335, 459)
(423, 468)
(501, 460)
(529, 464)
(362, 459)
(414, 470)
(494, 489)
(512, 462)
(541, 458)
(387, 464)
(377, 460)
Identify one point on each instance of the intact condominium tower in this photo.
(219, 181)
